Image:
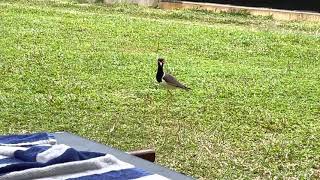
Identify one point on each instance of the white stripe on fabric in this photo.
(54, 152)
(3, 157)
(7, 162)
(108, 163)
(153, 177)
(48, 141)
(74, 169)
(4, 165)
(9, 151)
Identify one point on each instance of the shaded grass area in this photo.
(90, 69)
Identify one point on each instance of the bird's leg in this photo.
(171, 97)
(169, 92)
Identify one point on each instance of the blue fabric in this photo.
(24, 138)
(27, 159)
(30, 154)
(19, 157)
(10, 161)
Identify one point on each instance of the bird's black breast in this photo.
(159, 76)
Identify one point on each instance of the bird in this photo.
(166, 80)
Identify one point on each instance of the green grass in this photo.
(90, 69)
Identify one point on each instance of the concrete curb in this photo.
(275, 13)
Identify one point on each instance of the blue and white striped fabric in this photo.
(38, 156)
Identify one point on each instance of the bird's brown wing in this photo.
(169, 79)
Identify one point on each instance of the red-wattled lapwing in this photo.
(167, 80)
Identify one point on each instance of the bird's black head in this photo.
(161, 62)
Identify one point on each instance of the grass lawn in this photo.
(254, 110)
